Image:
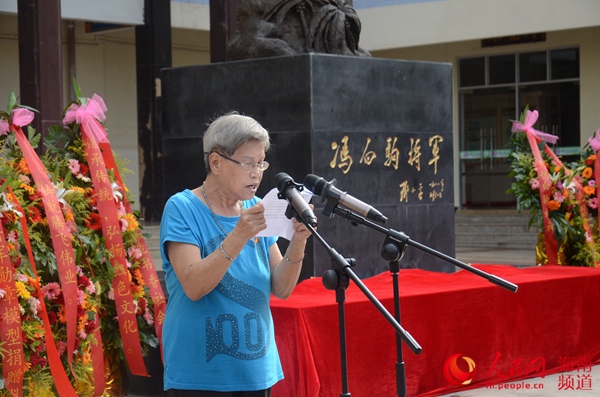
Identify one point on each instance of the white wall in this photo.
(448, 21)
(105, 62)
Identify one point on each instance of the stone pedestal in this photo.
(382, 128)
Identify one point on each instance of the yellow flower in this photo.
(132, 223)
(22, 290)
(69, 215)
(29, 189)
(587, 173)
(78, 189)
(22, 166)
(81, 323)
(137, 291)
(86, 358)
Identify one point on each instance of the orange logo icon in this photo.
(456, 376)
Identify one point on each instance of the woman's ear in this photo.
(214, 161)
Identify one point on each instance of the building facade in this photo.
(505, 55)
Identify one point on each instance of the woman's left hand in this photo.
(300, 230)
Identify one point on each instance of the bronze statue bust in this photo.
(267, 28)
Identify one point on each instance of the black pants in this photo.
(202, 393)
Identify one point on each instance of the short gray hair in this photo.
(230, 131)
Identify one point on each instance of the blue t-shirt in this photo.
(225, 340)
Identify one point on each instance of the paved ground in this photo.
(521, 258)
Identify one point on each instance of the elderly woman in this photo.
(218, 337)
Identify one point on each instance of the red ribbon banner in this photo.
(61, 237)
(147, 269)
(545, 184)
(13, 363)
(114, 242)
(62, 382)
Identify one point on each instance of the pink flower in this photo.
(74, 166)
(21, 277)
(80, 297)
(148, 317)
(558, 197)
(591, 183)
(34, 305)
(535, 184)
(593, 202)
(121, 211)
(135, 253)
(91, 289)
(51, 290)
(595, 141)
(12, 237)
(123, 222)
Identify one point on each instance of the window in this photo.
(502, 69)
(533, 66)
(493, 91)
(565, 64)
(472, 72)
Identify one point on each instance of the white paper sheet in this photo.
(277, 223)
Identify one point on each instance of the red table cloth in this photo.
(551, 324)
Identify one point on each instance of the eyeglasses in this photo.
(247, 165)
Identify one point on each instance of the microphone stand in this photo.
(338, 279)
(392, 251)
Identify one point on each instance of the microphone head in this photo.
(314, 183)
(282, 180)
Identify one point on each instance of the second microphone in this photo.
(290, 190)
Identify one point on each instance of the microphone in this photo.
(328, 191)
(289, 190)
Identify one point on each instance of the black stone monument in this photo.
(382, 128)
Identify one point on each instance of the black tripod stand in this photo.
(392, 251)
(338, 279)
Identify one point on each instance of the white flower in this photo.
(82, 177)
(5, 206)
(34, 305)
(116, 189)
